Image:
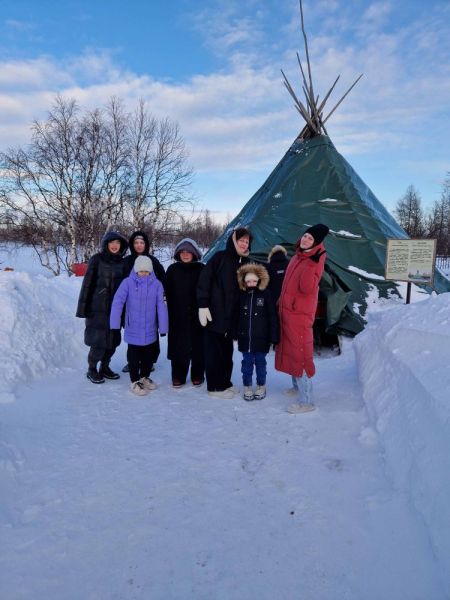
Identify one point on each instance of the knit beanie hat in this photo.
(143, 263)
(318, 232)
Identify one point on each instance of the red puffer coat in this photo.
(297, 307)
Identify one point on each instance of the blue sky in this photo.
(214, 66)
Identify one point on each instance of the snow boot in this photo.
(292, 391)
(126, 369)
(223, 394)
(94, 376)
(138, 388)
(233, 389)
(248, 394)
(260, 392)
(147, 383)
(108, 373)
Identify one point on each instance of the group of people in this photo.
(203, 308)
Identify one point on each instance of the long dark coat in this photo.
(104, 274)
(256, 319)
(185, 339)
(158, 269)
(297, 308)
(218, 288)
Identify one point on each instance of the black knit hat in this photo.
(318, 232)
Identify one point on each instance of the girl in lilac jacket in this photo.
(145, 317)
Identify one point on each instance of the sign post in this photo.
(411, 261)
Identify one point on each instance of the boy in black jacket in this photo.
(257, 327)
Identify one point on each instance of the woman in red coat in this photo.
(297, 307)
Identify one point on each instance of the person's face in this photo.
(114, 246)
(243, 243)
(143, 273)
(139, 246)
(186, 256)
(251, 280)
(307, 241)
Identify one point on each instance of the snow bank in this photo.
(402, 359)
(39, 333)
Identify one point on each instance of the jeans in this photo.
(258, 359)
(303, 385)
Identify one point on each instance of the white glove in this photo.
(204, 316)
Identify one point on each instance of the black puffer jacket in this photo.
(104, 274)
(158, 269)
(218, 288)
(256, 321)
(276, 267)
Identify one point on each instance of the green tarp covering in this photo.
(312, 184)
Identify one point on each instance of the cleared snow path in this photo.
(107, 496)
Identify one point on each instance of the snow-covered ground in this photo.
(108, 496)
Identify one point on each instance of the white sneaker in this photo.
(290, 392)
(260, 392)
(224, 395)
(233, 389)
(138, 388)
(248, 393)
(300, 407)
(148, 383)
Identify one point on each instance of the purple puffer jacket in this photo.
(145, 311)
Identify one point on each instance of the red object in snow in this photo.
(8, 269)
(79, 269)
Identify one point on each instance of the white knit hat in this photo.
(143, 263)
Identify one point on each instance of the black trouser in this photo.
(180, 369)
(218, 361)
(102, 355)
(141, 359)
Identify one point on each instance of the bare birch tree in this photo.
(83, 173)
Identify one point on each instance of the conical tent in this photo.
(313, 183)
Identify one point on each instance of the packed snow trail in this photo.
(176, 495)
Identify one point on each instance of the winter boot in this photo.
(147, 383)
(108, 373)
(292, 391)
(223, 395)
(126, 369)
(260, 392)
(233, 389)
(305, 403)
(248, 393)
(138, 389)
(94, 376)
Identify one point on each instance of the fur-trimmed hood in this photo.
(259, 270)
(276, 249)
